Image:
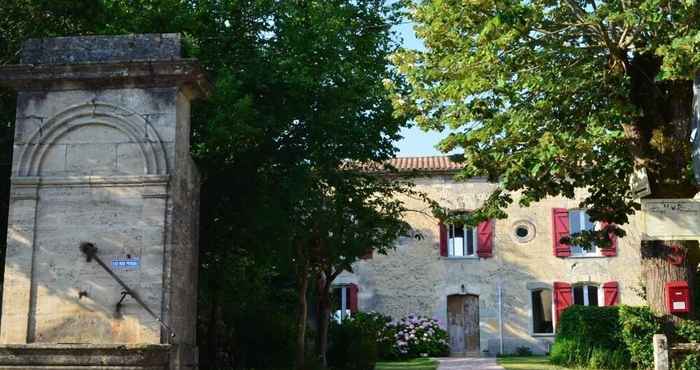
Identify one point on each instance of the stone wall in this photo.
(416, 279)
(101, 155)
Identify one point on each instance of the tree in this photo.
(550, 96)
(298, 94)
(362, 213)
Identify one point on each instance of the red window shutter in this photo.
(562, 298)
(352, 297)
(484, 231)
(560, 229)
(611, 293)
(612, 251)
(443, 239)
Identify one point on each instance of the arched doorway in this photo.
(463, 324)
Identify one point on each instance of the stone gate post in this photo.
(101, 158)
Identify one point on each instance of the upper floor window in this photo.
(462, 241)
(585, 294)
(579, 221)
(565, 223)
(459, 240)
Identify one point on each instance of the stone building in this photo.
(501, 285)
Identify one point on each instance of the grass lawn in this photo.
(417, 364)
(527, 363)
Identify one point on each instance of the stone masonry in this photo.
(101, 155)
(416, 279)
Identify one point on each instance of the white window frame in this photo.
(344, 311)
(585, 286)
(578, 251)
(451, 242)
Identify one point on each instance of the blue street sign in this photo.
(126, 264)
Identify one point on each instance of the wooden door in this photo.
(463, 324)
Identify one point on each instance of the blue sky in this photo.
(416, 141)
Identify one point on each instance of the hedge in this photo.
(590, 337)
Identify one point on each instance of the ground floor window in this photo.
(585, 295)
(340, 303)
(542, 311)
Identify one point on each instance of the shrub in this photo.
(689, 331)
(638, 328)
(353, 344)
(416, 336)
(589, 336)
(691, 362)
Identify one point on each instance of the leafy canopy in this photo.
(550, 96)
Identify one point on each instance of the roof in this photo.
(428, 164)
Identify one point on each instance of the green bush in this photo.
(638, 328)
(691, 362)
(689, 331)
(589, 336)
(353, 344)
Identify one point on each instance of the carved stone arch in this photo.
(129, 123)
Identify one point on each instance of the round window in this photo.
(523, 231)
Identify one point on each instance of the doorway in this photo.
(463, 324)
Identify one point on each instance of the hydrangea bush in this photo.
(414, 336)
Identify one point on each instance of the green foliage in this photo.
(354, 342)
(638, 328)
(298, 94)
(689, 331)
(546, 97)
(691, 362)
(589, 336)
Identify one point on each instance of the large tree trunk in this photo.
(302, 308)
(324, 314)
(660, 143)
(658, 269)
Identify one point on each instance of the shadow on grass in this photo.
(417, 364)
(528, 363)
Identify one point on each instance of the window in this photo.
(523, 231)
(343, 301)
(461, 241)
(340, 303)
(579, 221)
(542, 311)
(585, 295)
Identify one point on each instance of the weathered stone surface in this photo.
(100, 356)
(101, 155)
(415, 279)
(668, 219)
(69, 50)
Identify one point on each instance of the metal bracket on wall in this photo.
(90, 251)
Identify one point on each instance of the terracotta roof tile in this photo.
(430, 163)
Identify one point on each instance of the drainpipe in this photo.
(500, 318)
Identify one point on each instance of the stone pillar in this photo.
(661, 361)
(101, 155)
